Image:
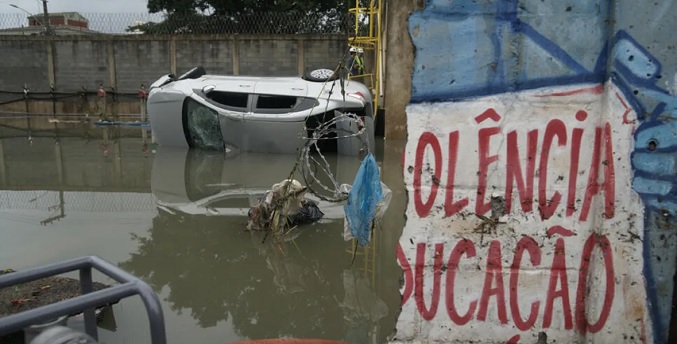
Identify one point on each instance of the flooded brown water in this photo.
(176, 218)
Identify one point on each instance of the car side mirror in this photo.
(208, 89)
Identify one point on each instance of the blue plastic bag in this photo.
(364, 195)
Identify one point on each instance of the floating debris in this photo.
(283, 207)
(366, 202)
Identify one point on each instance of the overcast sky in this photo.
(111, 16)
(83, 6)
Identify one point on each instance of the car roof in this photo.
(271, 85)
(295, 86)
(250, 78)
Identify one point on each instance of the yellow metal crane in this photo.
(367, 36)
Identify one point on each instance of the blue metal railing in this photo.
(88, 301)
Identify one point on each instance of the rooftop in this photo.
(39, 30)
(68, 15)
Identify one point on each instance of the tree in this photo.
(247, 16)
(228, 7)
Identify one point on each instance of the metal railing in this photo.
(88, 301)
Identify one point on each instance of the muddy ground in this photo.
(36, 294)
(39, 293)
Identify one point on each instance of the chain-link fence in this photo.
(77, 201)
(12, 20)
(293, 22)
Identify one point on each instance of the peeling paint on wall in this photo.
(541, 170)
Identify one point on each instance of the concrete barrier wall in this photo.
(540, 169)
(23, 61)
(126, 62)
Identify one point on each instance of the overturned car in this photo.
(259, 114)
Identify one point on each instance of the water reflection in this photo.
(47, 177)
(217, 271)
(186, 214)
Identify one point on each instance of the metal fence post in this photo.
(101, 101)
(86, 287)
(87, 301)
(143, 98)
(114, 103)
(26, 91)
(52, 91)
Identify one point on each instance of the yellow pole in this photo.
(357, 17)
(371, 19)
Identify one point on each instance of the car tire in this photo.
(321, 75)
(193, 73)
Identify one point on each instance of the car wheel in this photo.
(321, 74)
(193, 73)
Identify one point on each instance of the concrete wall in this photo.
(77, 64)
(540, 169)
(216, 55)
(23, 61)
(140, 62)
(316, 52)
(126, 62)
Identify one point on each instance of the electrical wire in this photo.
(336, 125)
(338, 193)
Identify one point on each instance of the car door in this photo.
(275, 99)
(230, 98)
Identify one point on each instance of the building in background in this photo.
(63, 23)
(68, 19)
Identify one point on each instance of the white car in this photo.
(259, 114)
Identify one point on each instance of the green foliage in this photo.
(225, 7)
(247, 16)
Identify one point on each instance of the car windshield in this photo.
(202, 126)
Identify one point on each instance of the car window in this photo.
(306, 103)
(274, 103)
(201, 126)
(229, 100)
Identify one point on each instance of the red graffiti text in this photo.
(525, 169)
(501, 287)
